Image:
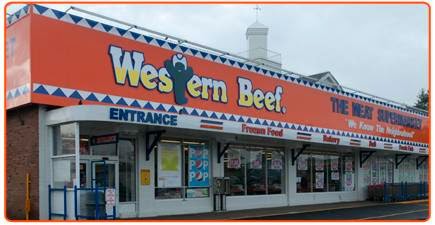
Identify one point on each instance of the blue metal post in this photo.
(385, 192)
(75, 202)
(64, 202)
(114, 212)
(97, 204)
(406, 190)
(401, 191)
(49, 202)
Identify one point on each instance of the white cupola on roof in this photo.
(256, 34)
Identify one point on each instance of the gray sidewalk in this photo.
(252, 213)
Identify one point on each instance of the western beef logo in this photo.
(178, 77)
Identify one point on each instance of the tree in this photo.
(422, 100)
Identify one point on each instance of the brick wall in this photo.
(22, 157)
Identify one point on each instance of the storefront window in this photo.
(303, 173)
(64, 139)
(127, 171)
(254, 170)
(334, 173)
(325, 172)
(64, 172)
(182, 170)
(234, 163)
(275, 172)
(319, 173)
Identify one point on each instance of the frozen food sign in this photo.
(177, 77)
(198, 166)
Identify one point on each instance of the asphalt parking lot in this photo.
(414, 210)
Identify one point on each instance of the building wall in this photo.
(22, 157)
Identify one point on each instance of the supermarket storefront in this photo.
(156, 121)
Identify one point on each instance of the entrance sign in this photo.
(169, 165)
(198, 166)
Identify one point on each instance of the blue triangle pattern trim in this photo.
(223, 117)
(231, 62)
(213, 57)
(121, 101)
(172, 110)
(249, 120)
(106, 27)
(91, 23)
(223, 59)
(203, 54)
(121, 31)
(305, 128)
(41, 90)
(92, 97)
(257, 121)
(76, 19)
(148, 106)
(232, 118)
(265, 123)
(286, 126)
(160, 42)
(279, 125)
(204, 114)
(58, 14)
(41, 9)
(183, 111)
(172, 45)
(194, 113)
(58, 92)
(214, 116)
(194, 52)
(183, 49)
(293, 127)
(107, 100)
(161, 108)
(240, 120)
(135, 104)
(148, 39)
(272, 124)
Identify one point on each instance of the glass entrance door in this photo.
(105, 177)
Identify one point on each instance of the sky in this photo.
(379, 49)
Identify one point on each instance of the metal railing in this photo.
(98, 203)
(393, 192)
(50, 213)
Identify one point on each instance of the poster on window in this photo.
(255, 159)
(302, 162)
(348, 181)
(320, 163)
(348, 165)
(334, 163)
(276, 162)
(234, 160)
(335, 176)
(198, 166)
(320, 180)
(169, 165)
